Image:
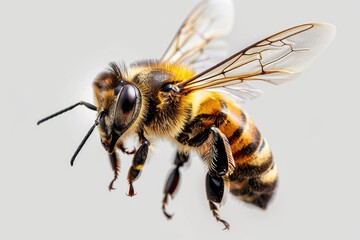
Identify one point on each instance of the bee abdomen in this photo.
(255, 175)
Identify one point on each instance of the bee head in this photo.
(119, 104)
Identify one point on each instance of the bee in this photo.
(199, 110)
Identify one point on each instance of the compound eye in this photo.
(127, 106)
(127, 99)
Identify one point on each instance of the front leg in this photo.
(115, 165)
(115, 162)
(137, 163)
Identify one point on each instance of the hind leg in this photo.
(215, 188)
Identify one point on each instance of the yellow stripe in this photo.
(139, 167)
(270, 176)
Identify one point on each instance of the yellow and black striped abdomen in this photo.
(255, 174)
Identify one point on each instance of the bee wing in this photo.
(241, 93)
(197, 41)
(276, 59)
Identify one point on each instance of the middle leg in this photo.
(173, 180)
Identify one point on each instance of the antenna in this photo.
(86, 104)
(83, 142)
(89, 106)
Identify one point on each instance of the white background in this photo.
(51, 51)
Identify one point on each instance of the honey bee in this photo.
(200, 111)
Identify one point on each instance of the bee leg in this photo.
(221, 158)
(221, 163)
(215, 150)
(173, 180)
(215, 191)
(137, 164)
(217, 153)
(124, 149)
(115, 164)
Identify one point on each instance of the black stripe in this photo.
(251, 148)
(247, 170)
(260, 187)
(237, 133)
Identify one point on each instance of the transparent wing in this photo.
(197, 41)
(276, 59)
(240, 93)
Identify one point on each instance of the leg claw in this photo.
(131, 192)
(111, 185)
